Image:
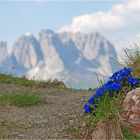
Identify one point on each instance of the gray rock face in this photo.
(95, 49)
(3, 51)
(70, 57)
(27, 51)
(3, 56)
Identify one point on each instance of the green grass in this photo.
(106, 114)
(105, 108)
(7, 127)
(131, 58)
(128, 135)
(5, 123)
(73, 129)
(21, 99)
(23, 81)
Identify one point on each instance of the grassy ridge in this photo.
(23, 81)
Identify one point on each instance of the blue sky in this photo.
(17, 17)
(118, 20)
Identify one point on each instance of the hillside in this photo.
(56, 117)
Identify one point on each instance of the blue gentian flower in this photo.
(127, 71)
(110, 80)
(121, 72)
(113, 77)
(133, 81)
(103, 89)
(115, 86)
(107, 86)
(120, 78)
(98, 93)
(87, 108)
(124, 72)
(114, 83)
(91, 100)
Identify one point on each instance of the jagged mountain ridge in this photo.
(70, 57)
(4, 56)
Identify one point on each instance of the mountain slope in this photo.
(73, 58)
(27, 52)
(4, 57)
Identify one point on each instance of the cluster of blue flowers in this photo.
(114, 84)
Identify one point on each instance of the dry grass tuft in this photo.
(131, 58)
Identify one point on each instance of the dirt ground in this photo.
(61, 112)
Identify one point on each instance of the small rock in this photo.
(73, 116)
(71, 121)
(83, 124)
(83, 99)
(98, 134)
(131, 105)
(21, 135)
(60, 114)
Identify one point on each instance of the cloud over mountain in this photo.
(113, 23)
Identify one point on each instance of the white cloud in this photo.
(99, 20)
(118, 16)
(118, 24)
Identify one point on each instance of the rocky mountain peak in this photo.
(71, 57)
(27, 51)
(3, 51)
(46, 33)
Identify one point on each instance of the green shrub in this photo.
(21, 99)
(128, 135)
(107, 107)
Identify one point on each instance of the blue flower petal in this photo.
(87, 108)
